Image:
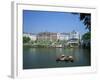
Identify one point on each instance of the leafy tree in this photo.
(32, 41)
(86, 36)
(86, 18)
(86, 40)
(26, 39)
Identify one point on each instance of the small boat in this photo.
(71, 58)
(65, 58)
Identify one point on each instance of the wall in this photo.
(5, 39)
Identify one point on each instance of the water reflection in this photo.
(46, 57)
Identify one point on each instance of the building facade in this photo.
(74, 35)
(71, 36)
(47, 36)
(62, 36)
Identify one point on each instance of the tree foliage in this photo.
(26, 39)
(86, 36)
(86, 18)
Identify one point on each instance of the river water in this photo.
(46, 57)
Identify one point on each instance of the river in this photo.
(46, 57)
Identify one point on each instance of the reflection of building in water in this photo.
(59, 52)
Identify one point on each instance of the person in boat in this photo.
(62, 55)
(65, 58)
(71, 58)
(61, 58)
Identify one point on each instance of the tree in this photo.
(26, 39)
(86, 18)
(86, 40)
(86, 36)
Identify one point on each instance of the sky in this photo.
(47, 21)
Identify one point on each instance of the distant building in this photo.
(71, 37)
(47, 36)
(62, 36)
(30, 35)
(74, 35)
(74, 39)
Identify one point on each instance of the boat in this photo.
(65, 58)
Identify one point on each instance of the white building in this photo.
(63, 36)
(54, 36)
(58, 36)
(31, 36)
(74, 35)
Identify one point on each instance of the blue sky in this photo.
(41, 21)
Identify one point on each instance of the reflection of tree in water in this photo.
(77, 54)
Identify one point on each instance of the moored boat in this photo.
(65, 58)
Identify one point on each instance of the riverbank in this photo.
(47, 46)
